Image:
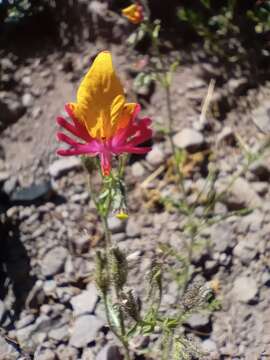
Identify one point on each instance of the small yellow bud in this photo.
(122, 215)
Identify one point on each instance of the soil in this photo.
(37, 293)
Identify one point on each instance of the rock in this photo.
(238, 86)
(67, 352)
(60, 334)
(245, 289)
(81, 243)
(137, 169)
(222, 237)
(4, 176)
(86, 301)
(85, 330)
(198, 321)
(11, 110)
(156, 156)
(189, 139)
(7, 350)
(37, 111)
(2, 311)
(140, 342)
(243, 194)
(226, 135)
(27, 100)
(109, 352)
(54, 260)
(261, 117)
(133, 228)
(209, 346)
(10, 185)
(7, 65)
(32, 194)
(46, 354)
(25, 321)
(62, 166)
(244, 252)
(116, 225)
(88, 354)
(261, 168)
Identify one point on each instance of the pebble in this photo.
(67, 352)
(86, 301)
(7, 351)
(156, 156)
(109, 352)
(244, 195)
(27, 100)
(189, 139)
(245, 289)
(62, 166)
(222, 237)
(261, 117)
(116, 225)
(137, 169)
(46, 354)
(60, 333)
(133, 228)
(198, 321)
(33, 193)
(54, 260)
(85, 330)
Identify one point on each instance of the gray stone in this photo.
(189, 139)
(33, 193)
(244, 194)
(116, 225)
(2, 311)
(60, 334)
(27, 100)
(46, 354)
(7, 351)
(226, 135)
(261, 117)
(197, 321)
(25, 321)
(137, 169)
(245, 289)
(54, 260)
(133, 228)
(209, 346)
(222, 237)
(109, 352)
(62, 166)
(85, 330)
(11, 110)
(86, 301)
(88, 354)
(156, 156)
(244, 252)
(261, 168)
(67, 353)
(10, 185)
(81, 243)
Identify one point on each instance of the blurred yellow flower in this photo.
(134, 13)
(122, 215)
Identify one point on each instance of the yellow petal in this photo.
(100, 98)
(133, 13)
(126, 115)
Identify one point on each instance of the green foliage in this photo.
(229, 29)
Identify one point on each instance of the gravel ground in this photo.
(49, 305)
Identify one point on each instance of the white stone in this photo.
(62, 166)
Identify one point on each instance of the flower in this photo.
(101, 118)
(134, 13)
